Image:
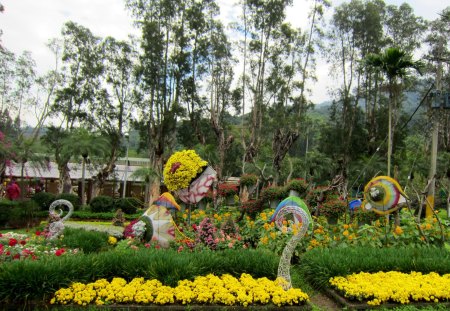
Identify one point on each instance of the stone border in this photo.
(168, 307)
(356, 305)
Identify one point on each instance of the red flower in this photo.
(38, 233)
(23, 242)
(1, 235)
(194, 226)
(60, 251)
(16, 256)
(8, 253)
(12, 242)
(157, 246)
(147, 245)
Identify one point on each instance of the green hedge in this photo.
(37, 280)
(15, 214)
(102, 204)
(319, 265)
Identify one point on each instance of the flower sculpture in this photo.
(156, 223)
(55, 225)
(383, 195)
(188, 175)
(302, 218)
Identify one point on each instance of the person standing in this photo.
(13, 191)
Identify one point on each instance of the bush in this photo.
(298, 185)
(273, 193)
(102, 204)
(72, 198)
(87, 241)
(43, 200)
(319, 265)
(22, 214)
(248, 180)
(38, 280)
(5, 209)
(127, 205)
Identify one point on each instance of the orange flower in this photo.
(345, 233)
(398, 230)
(346, 226)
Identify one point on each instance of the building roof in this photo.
(52, 172)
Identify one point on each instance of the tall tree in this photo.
(394, 64)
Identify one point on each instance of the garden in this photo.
(117, 253)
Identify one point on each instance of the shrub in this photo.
(252, 207)
(248, 180)
(43, 200)
(72, 198)
(273, 193)
(5, 209)
(24, 214)
(298, 185)
(226, 190)
(102, 204)
(127, 205)
(87, 241)
(333, 208)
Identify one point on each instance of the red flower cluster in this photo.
(225, 190)
(60, 251)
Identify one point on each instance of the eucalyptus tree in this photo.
(261, 19)
(356, 30)
(80, 90)
(24, 79)
(221, 95)
(7, 61)
(168, 69)
(113, 115)
(403, 28)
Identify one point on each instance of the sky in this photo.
(29, 24)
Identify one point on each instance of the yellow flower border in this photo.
(393, 286)
(190, 165)
(210, 289)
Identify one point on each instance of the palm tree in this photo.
(82, 143)
(149, 175)
(393, 63)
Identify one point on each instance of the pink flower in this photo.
(134, 247)
(147, 245)
(157, 246)
(180, 249)
(230, 245)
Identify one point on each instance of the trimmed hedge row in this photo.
(99, 204)
(319, 265)
(28, 280)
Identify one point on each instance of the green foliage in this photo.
(5, 208)
(43, 200)
(127, 205)
(72, 198)
(273, 193)
(28, 280)
(87, 241)
(319, 265)
(85, 215)
(248, 180)
(299, 185)
(18, 214)
(101, 204)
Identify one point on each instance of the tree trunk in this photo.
(281, 144)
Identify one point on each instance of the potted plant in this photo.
(273, 195)
(228, 191)
(297, 187)
(248, 180)
(252, 207)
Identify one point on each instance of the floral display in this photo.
(209, 290)
(14, 246)
(181, 168)
(226, 190)
(393, 286)
(333, 207)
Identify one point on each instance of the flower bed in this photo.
(383, 287)
(205, 290)
(14, 246)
